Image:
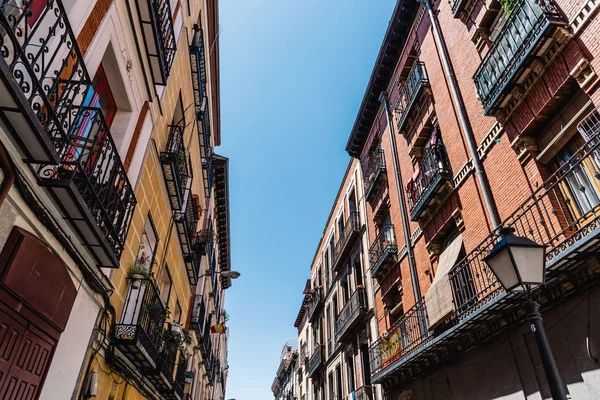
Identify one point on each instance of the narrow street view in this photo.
(299, 200)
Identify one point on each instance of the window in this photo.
(338, 378)
(345, 289)
(356, 266)
(177, 313)
(340, 225)
(331, 385)
(164, 286)
(350, 366)
(148, 245)
(326, 270)
(579, 186)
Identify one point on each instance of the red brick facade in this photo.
(517, 161)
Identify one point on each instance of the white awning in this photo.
(439, 299)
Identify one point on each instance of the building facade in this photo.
(285, 383)
(336, 323)
(114, 212)
(479, 115)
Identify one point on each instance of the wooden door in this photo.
(25, 354)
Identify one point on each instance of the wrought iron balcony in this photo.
(198, 68)
(347, 238)
(383, 251)
(457, 7)
(176, 167)
(45, 88)
(374, 173)
(351, 314)
(563, 214)
(191, 247)
(162, 377)
(433, 178)
(528, 26)
(316, 303)
(365, 393)
(316, 360)
(138, 333)
(416, 84)
(159, 37)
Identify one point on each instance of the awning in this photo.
(439, 300)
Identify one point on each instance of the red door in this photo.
(25, 353)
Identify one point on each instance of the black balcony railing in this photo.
(163, 376)
(383, 250)
(351, 314)
(138, 335)
(434, 174)
(365, 393)
(158, 34)
(410, 92)
(316, 360)
(562, 214)
(528, 23)
(198, 68)
(374, 173)
(316, 303)
(191, 248)
(69, 143)
(175, 162)
(346, 238)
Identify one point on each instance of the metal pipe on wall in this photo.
(464, 120)
(383, 98)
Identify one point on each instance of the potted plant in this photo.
(189, 376)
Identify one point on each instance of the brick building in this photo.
(336, 321)
(492, 122)
(114, 217)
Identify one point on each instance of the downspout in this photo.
(9, 174)
(405, 224)
(464, 120)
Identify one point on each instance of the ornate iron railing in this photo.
(457, 7)
(191, 248)
(416, 80)
(142, 321)
(527, 24)
(353, 309)
(316, 359)
(158, 33)
(315, 303)
(374, 170)
(176, 168)
(434, 171)
(365, 393)
(346, 237)
(41, 52)
(561, 214)
(382, 248)
(198, 68)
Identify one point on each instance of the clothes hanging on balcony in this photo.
(438, 298)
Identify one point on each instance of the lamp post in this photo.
(519, 265)
(224, 274)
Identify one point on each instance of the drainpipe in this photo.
(464, 120)
(9, 174)
(405, 224)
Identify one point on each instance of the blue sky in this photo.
(293, 73)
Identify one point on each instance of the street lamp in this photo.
(224, 274)
(520, 265)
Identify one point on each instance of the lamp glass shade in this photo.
(502, 266)
(530, 263)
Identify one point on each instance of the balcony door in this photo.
(580, 184)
